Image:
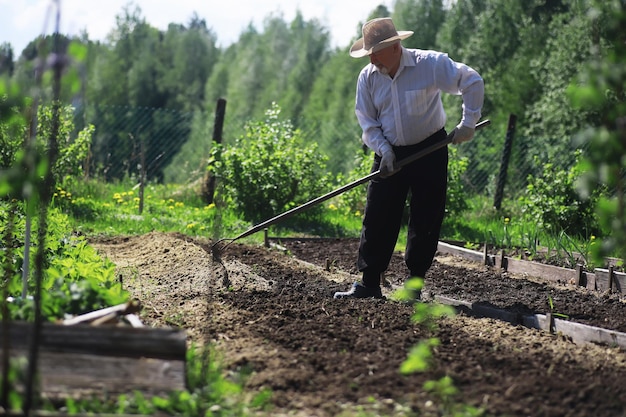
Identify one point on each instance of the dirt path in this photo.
(272, 315)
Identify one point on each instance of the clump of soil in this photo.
(270, 312)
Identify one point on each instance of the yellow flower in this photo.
(117, 196)
(180, 204)
(136, 199)
(507, 220)
(332, 207)
(191, 225)
(357, 213)
(210, 206)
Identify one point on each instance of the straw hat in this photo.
(377, 34)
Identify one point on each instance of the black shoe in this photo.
(358, 290)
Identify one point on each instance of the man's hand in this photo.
(388, 163)
(462, 134)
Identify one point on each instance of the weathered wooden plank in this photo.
(619, 280)
(457, 250)
(71, 375)
(590, 281)
(108, 312)
(578, 332)
(597, 280)
(162, 343)
(547, 272)
(602, 279)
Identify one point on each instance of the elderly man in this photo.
(399, 108)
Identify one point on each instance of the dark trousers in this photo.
(427, 180)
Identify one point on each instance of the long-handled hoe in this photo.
(222, 244)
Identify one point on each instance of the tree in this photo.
(191, 53)
(423, 16)
(6, 59)
(271, 169)
(310, 44)
(129, 75)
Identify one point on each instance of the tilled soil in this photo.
(270, 313)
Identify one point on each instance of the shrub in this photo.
(353, 201)
(456, 197)
(271, 169)
(72, 151)
(552, 201)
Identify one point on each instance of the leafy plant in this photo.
(420, 355)
(271, 169)
(552, 201)
(353, 201)
(599, 89)
(456, 197)
(553, 311)
(76, 279)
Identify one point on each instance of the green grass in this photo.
(96, 208)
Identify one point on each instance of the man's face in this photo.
(385, 59)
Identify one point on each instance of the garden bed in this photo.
(277, 321)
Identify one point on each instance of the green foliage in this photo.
(600, 89)
(24, 164)
(353, 201)
(426, 315)
(72, 152)
(456, 198)
(271, 169)
(16, 379)
(76, 279)
(427, 15)
(552, 202)
(12, 131)
(420, 356)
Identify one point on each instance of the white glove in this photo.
(388, 163)
(462, 134)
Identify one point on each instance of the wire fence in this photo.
(169, 146)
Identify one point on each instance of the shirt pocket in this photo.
(416, 101)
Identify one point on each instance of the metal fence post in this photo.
(504, 163)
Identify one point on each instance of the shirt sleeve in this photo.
(367, 116)
(460, 79)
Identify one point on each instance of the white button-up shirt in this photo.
(406, 109)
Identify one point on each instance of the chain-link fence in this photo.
(170, 146)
